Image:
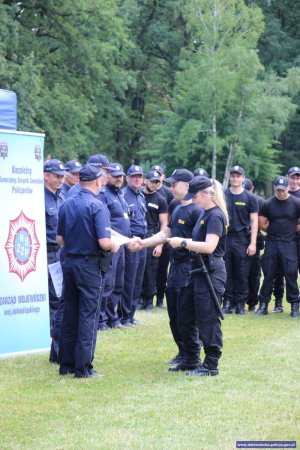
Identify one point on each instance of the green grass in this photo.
(139, 405)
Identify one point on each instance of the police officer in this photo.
(182, 222)
(157, 218)
(279, 217)
(241, 241)
(113, 197)
(72, 176)
(200, 171)
(134, 262)
(209, 236)
(54, 172)
(164, 259)
(255, 260)
(84, 229)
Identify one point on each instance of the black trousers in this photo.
(280, 256)
(254, 278)
(162, 272)
(83, 285)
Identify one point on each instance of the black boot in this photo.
(185, 364)
(240, 309)
(295, 309)
(227, 307)
(262, 310)
(278, 306)
(149, 303)
(251, 308)
(208, 368)
(176, 359)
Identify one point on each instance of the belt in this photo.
(53, 247)
(72, 255)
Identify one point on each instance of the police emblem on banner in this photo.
(22, 246)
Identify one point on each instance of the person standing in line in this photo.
(197, 301)
(54, 173)
(85, 231)
(72, 176)
(241, 241)
(157, 219)
(279, 217)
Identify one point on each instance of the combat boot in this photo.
(149, 304)
(278, 306)
(295, 309)
(185, 364)
(262, 310)
(208, 368)
(240, 309)
(227, 307)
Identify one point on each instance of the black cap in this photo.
(100, 160)
(158, 169)
(200, 171)
(116, 169)
(293, 171)
(153, 175)
(89, 172)
(55, 166)
(180, 175)
(73, 166)
(247, 184)
(198, 183)
(237, 169)
(281, 183)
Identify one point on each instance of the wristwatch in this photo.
(183, 244)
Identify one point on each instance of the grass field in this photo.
(139, 405)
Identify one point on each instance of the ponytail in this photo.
(218, 197)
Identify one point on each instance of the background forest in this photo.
(189, 83)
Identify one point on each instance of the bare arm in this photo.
(208, 246)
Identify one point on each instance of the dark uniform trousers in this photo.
(178, 276)
(83, 284)
(282, 255)
(254, 278)
(198, 319)
(114, 284)
(237, 268)
(162, 273)
(52, 257)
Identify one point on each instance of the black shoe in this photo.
(295, 309)
(262, 310)
(126, 323)
(160, 305)
(103, 327)
(177, 359)
(278, 306)
(240, 309)
(251, 308)
(228, 308)
(184, 365)
(117, 326)
(203, 371)
(66, 371)
(148, 308)
(135, 322)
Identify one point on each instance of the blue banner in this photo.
(24, 308)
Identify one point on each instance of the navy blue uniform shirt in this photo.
(137, 211)
(118, 208)
(53, 203)
(240, 206)
(213, 221)
(83, 219)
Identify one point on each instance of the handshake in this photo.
(135, 244)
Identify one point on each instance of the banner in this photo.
(24, 305)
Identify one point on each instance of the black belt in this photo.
(72, 255)
(53, 247)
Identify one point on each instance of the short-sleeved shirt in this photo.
(137, 211)
(181, 224)
(240, 206)
(213, 221)
(282, 215)
(83, 219)
(156, 205)
(53, 202)
(166, 192)
(118, 208)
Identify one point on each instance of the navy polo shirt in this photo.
(137, 211)
(213, 221)
(83, 219)
(53, 203)
(118, 208)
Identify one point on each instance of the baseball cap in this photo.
(180, 175)
(153, 175)
(247, 184)
(116, 169)
(55, 166)
(200, 171)
(100, 160)
(237, 169)
(197, 184)
(158, 169)
(293, 171)
(135, 170)
(73, 166)
(89, 172)
(281, 183)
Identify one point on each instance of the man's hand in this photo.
(251, 250)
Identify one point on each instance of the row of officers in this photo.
(89, 215)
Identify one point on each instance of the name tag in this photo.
(153, 205)
(240, 203)
(125, 215)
